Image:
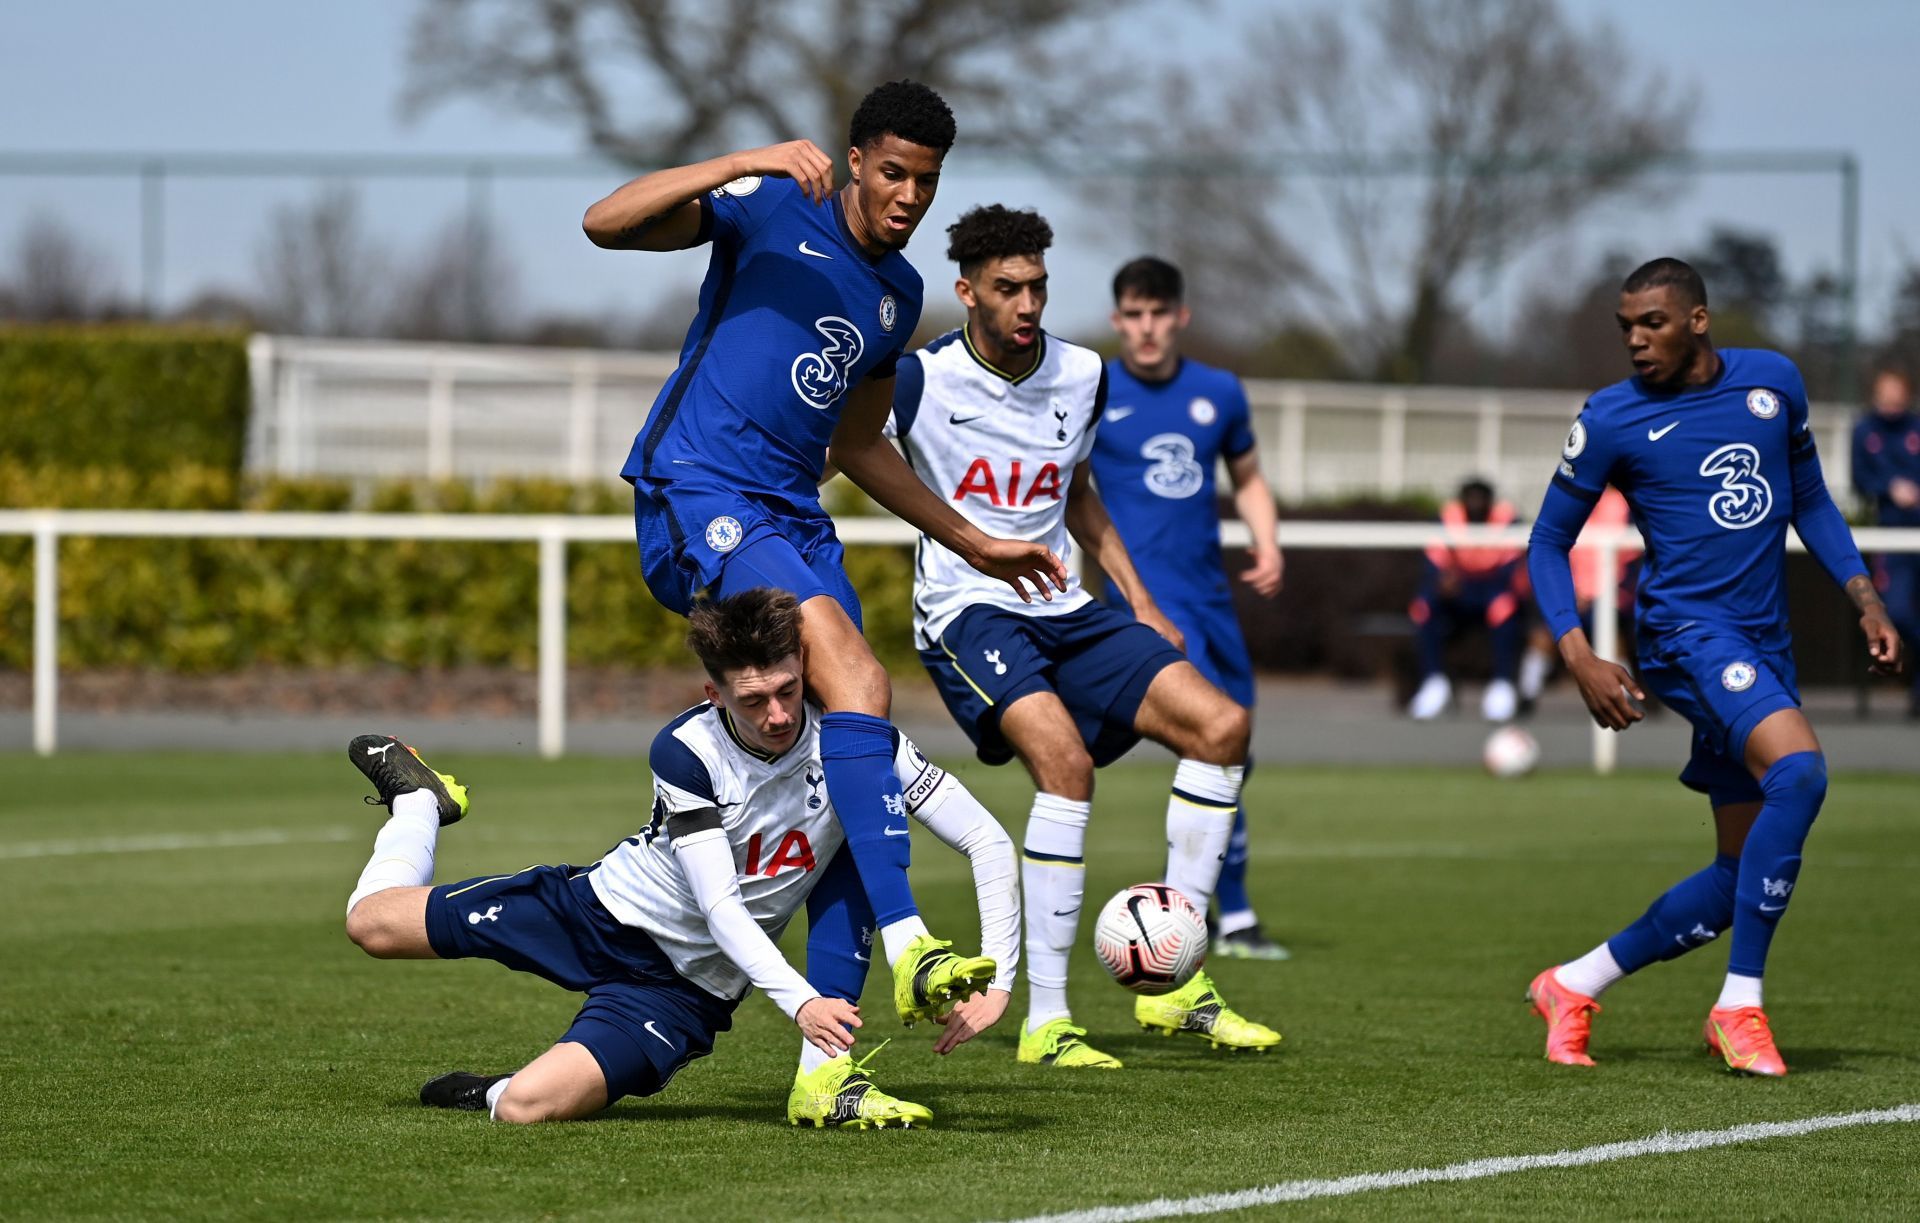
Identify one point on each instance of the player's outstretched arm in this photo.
(705, 857)
(952, 814)
(1607, 687)
(862, 452)
(1092, 528)
(657, 211)
(1253, 497)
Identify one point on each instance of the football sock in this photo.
(895, 935)
(495, 1092)
(812, 1057)
(1054, 876)
(1236, 908)
(1533, 674)
(1199, 823)
(856, 753)
(1739, 991)
(403, 848)
(1591, 974)
(1795, 787)
(1689, 914)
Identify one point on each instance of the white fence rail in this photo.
(552, 533)
(358, 408)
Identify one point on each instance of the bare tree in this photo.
(320, 273)
(55, 277)
(650, 81)
(465, 286)
(1444, 137)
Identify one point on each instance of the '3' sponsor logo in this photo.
(821, 378)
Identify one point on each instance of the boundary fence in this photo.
(552, 533)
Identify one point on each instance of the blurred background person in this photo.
(1469, 585)
(1886, 473)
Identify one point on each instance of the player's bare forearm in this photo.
(1092, 528)
(1253, 498)
(655, 212)
(1883, 639)
(1607, 687)
(874, 465)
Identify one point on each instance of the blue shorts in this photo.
(1725, 685)
(1098, 661)
(698, 542)
(642, 1021)
(1215, 646)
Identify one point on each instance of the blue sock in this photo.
(1795, 787)
(840, 932)
(856, 753)
(1231, 891)
(1689, 914)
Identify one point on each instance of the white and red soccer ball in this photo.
(1151, 938)
(1510, 752)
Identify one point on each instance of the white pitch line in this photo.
(243, 839)
(1663, 1143)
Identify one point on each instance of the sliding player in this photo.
(665, 933)
(1170, 420)
(807, 305)
(999, 418)
(1714, 452)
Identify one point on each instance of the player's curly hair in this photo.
(755, 628)
(906, 109)
(996, 232)
(1675, 274)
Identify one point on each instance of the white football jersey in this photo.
(1000, 450)
(776, 815)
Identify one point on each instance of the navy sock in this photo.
(856, 753)
(1231, 891)
(1687, 915)
(1795, 787)
(840, 932)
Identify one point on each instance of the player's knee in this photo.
(1225, 735)
(1800, 778)
(371, 934)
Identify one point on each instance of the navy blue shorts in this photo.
(698, 542)
(1098, 661)
(1215, 646)
(1725, 685)
(642, 1021)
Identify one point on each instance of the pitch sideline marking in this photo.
(243, 839)
(1663, 1143)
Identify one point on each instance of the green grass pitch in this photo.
(187, 1032)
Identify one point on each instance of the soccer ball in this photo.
(1151, 938)
(1510, 752)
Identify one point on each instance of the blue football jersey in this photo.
(792, 313)
(1154, 459)
(1709, 474)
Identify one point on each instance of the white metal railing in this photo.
(359, 408)
(554, 532)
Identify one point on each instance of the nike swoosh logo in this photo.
(648, 1025)
(1654, 435)
(864, 959)
(808, 250)
(896, 832)
(1773, 908)
(1065, 912)
(1119, 413)
(957, 419)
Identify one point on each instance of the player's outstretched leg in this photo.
(396, 769)
(421, 802)
(462, 1090)
(841, 1093)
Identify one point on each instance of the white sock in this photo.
(1238, 920)
(894, 936)
(1053, 874)
(403, 850)
(1533, 674)
(1591, 974)
(812, 1057)
(495, 1092)
(1739, 991)
(1199, 824)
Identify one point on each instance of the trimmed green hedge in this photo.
(214, 606)
(144, 398)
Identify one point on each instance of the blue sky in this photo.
(226, 75)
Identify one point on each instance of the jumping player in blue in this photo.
(806, 307)
(1714, 454)
(1169, 421)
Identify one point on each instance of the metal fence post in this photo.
(1606, 638)
(553, 642)
(46, 635)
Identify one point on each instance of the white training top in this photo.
(1002, 451)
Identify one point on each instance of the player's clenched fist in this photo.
(800, 160)
(828, 1024)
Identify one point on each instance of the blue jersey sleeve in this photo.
(1816, 518)
(1238, 438)
(733, 211)
(1586, 462)
(1587, 458)
(909, 383)
(675, 764)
